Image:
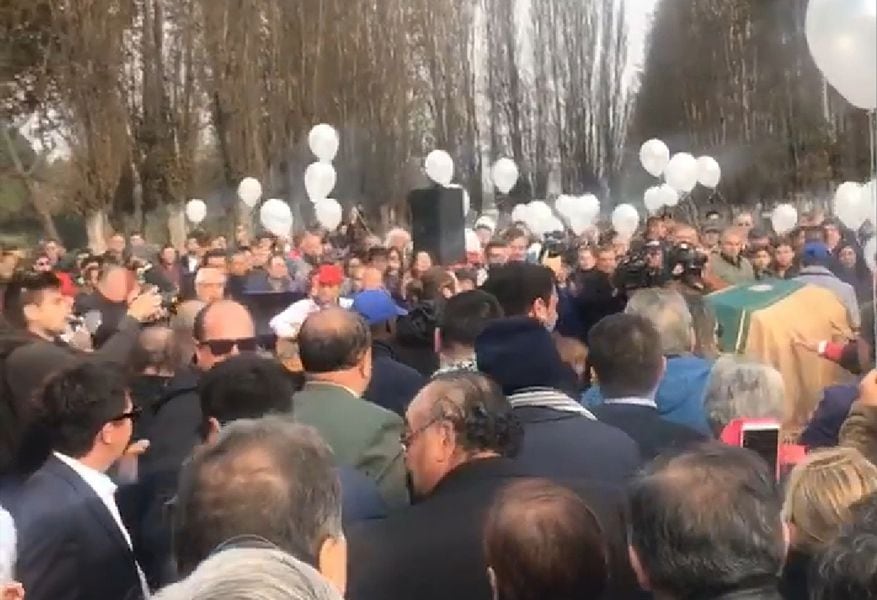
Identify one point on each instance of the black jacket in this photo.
(172, 427)
(393, 385)
(653, 434)
(69, 545)
(559, 444)
(415, 338)
(596, 298)
(793, 584)
(433, 550)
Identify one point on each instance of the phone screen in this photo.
(765, 443)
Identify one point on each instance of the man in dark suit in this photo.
(461, 431)
(625, 353)
(72, 543)
(562, 439)
(335, 350)
(595, 293)
(393, 384)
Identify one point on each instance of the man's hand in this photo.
(146, 306)
(868, 389)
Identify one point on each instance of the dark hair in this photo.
(518, 285)
(245, 387)
(465, 316)
(543, 541)
(377, 252)
(76, 402)
(213, 253)
(24, 288)
(269, 478)
(466, 274)
(847, 568)
(481, 414)
(435, 281)
(333, 340)
(513, 233)
(625, 353)
(706, 521)
(495, 243)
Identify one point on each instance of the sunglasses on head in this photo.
(223, 347)
(132, 414)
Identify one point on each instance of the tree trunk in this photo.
(176, 224)
(96, 229)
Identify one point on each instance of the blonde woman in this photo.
(819, 493)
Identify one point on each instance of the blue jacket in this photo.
(393, 384)
(823, 429)
(680, 394)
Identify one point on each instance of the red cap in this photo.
(330, 275)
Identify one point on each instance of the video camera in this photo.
(654, 265)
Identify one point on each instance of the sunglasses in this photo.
(223, 347)
(132, 414)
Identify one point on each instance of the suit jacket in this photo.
(560, 444)
(393, 384)
(653, 434)
(69, 545)
(361, 434)
(433, 550)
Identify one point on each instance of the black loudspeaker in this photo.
(438, 224)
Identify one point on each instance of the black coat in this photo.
(645, 426)
(69, 545)
(415, 338)
(433, 550)
(393, 384)
(596, 298)
(559, 444)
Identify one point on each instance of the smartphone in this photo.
(764, 440)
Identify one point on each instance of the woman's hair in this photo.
(821, 490)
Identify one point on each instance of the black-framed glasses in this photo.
(223, 347)
(408, 437)
(132, 414)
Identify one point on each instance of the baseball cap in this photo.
(377, 306)
(816, 251)
(330, 275)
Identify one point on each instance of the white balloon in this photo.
(505, 175)
(654, 156)
(625, 220)
(485, 221)
(473, 244)
(588, 206)
(276, 217)
(324, 142)
(538, 217)
(850, 205)
(329, 213)
(249, 191)
(784, 218)
(842, 36)
(196, 211)
(320, 180)
(870, 251)
(681, 172)
(709, 173)
(440, 167)
(554, 225)
(869, 199)
(669, 196)
(653, 199)
(519, 213)
(566, 205)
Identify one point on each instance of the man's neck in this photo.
(41, 333)
(95, 460)
(455, 355)
(344, 379)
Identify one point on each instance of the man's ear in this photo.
(641, 576)
(437, 341)
(332, 562)
(213, 428)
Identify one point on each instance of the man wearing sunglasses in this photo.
(72, 543)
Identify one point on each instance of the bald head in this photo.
(221, 320)
(333, 340)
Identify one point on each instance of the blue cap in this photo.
(816, 253)
(377, 306)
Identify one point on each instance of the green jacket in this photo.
(362, 435)
(729, 272)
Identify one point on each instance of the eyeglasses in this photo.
(132, 414)
(223, 347)
(408, 437)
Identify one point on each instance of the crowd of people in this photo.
(335, 415)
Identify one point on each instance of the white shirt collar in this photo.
(102, 485)
(632, 401)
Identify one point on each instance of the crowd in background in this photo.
(338, 415)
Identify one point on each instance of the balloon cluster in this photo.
(320, 176)
(856, 203)
(681, 172)
(538, 217)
